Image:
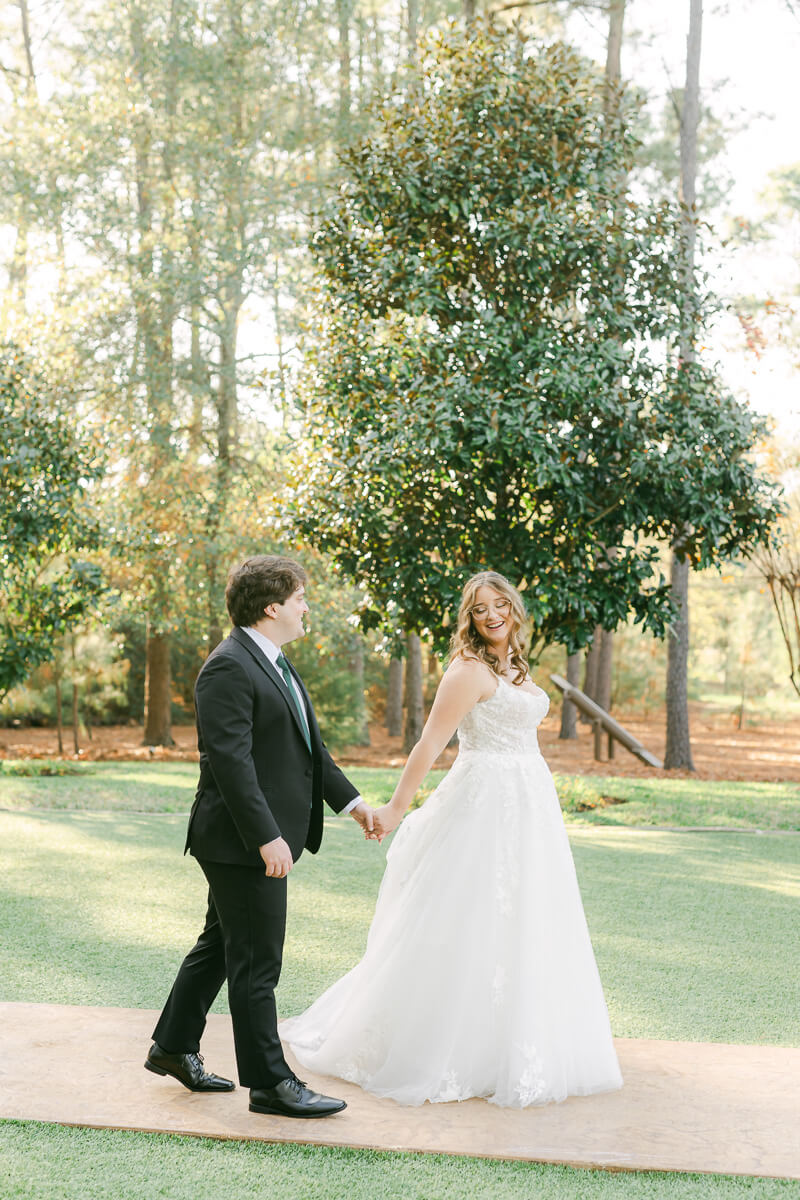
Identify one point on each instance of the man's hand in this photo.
(366, 819)
(277, 858)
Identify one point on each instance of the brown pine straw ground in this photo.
(768, 752)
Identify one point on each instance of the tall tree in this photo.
(679, 748)
(181, 191)
(602, 648)
(481, 391)
(180, 153)
(49, 579)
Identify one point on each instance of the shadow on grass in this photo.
(694, 935)
(164, 787)
(699, 933)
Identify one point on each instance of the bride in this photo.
(478, 977)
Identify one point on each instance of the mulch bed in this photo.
(769, 752)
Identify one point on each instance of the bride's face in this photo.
(491, 616)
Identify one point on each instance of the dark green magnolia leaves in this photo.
(46, 521)
(490, 385)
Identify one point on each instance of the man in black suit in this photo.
(264, 773)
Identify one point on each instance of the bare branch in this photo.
(519, 4)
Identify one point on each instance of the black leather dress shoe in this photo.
(187, 1069)
(291, 1098)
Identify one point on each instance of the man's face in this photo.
(287, 618)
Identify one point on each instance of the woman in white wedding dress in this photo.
(479, 977)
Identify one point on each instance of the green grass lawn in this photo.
(46, 1162)
(680, 802)
(693, 934)
(170, 787)
(97, 908)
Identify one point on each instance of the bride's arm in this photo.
(463, 685)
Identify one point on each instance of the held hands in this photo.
(366, 819)
(277, 858)
(387, 819)
(377, 823)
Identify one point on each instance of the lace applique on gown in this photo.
(479, 977)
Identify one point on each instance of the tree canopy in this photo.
(489, 383)
(47, 582)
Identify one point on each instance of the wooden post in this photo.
(610, 744)
(598, 740)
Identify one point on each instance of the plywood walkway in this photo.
(685, 1106)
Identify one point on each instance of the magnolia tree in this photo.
(488, 385)
(47, 584)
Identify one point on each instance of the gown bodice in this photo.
(506, 723)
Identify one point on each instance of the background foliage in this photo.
(492, 377)
(161, 168)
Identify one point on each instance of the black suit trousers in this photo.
(242, 940)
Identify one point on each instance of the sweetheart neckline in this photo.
(519, 689)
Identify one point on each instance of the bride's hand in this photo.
(387, 819)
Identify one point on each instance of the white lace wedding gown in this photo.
(479, 977)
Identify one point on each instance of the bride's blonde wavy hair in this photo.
(468, 643)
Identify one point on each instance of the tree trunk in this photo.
(690, 119)
(214, 593)
(412, 10)
(469, 10)
(616, 17)
(87, 707)
(277, 317)
(344, 12)
(18, 267)
(76, 741)
(377, 57)
(394, 698)
(605, 662)
(679, 746)
(155, 311)
(157, 705)
(603, 641)
(415, 711)
(27, 44)
(230, 302)
(75, 713)
(199, 382)
(679, 749)
(569, 713)
(58, 675)
(591, 663)
(360, 710)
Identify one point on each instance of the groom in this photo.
(264, 773)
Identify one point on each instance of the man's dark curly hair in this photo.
(265, 579)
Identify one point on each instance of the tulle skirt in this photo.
(479, 977)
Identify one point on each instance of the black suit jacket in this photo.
(258, 779)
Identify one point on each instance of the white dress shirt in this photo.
(272, 651)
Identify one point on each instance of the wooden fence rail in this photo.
(602, 723)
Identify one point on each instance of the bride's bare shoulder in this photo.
(464, 670)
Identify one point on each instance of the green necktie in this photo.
(283, 667)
